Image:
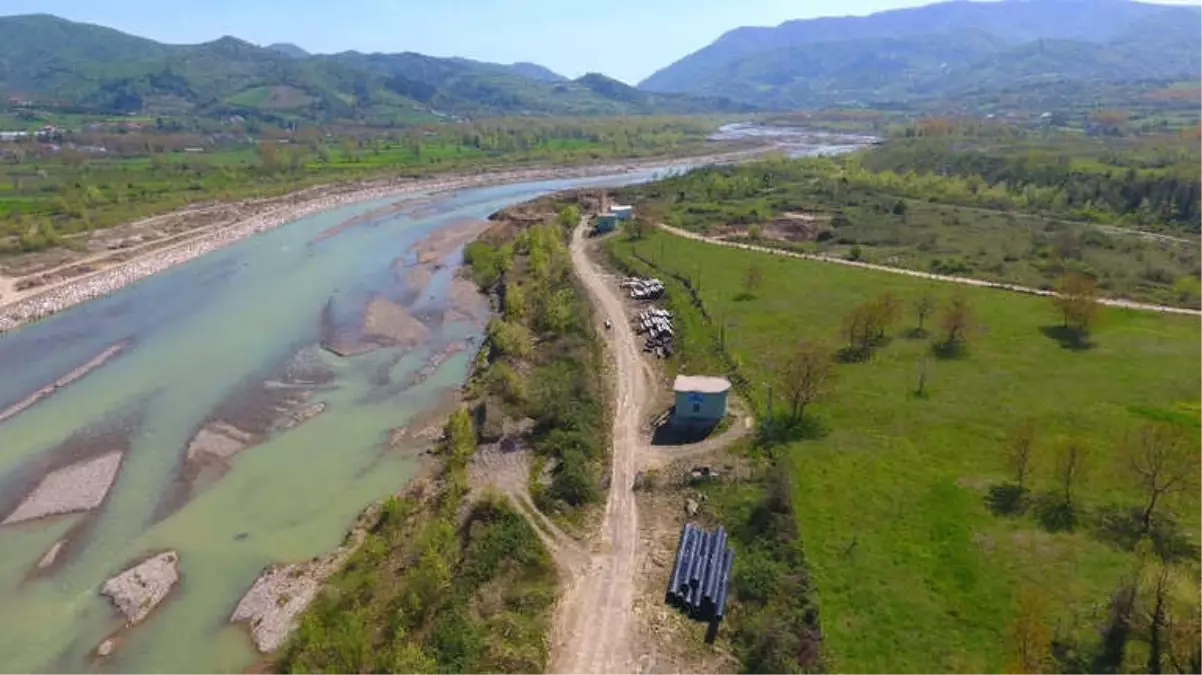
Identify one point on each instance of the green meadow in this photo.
(912, 570)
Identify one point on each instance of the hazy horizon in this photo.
(627, 40)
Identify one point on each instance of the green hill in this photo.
(942, 51)
(76, 67)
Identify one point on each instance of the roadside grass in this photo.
(912, 571)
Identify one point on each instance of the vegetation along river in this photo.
(210, 385)
(239, 409)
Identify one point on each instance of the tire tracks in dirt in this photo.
(594, 627)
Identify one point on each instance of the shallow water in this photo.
(203, 334)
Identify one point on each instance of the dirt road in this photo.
(1110, 302)
(595, 618)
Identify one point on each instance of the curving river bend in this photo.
(230, 339)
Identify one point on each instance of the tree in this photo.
(1072, 466)
(1029, 642)
(755, 232)
(807, 376)
(923, 306)
(569, 217)
(1019, 448)
(887, 309)
(268, 161)
(1077, 300)
(636, 228)
(956, 323)
(860, 330)
(752, 280)
(1162, 460)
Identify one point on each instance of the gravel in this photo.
(79, 487)
(274, 603)
(139, 589)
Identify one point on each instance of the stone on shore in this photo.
(275, 601)
(79, 487)
(219, 441)
(51, 554)
(106, 648)
(139, 589)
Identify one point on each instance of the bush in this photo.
(573, 481)
(510, 338)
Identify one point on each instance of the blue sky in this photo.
(626, 39)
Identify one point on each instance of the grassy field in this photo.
(928, 222)
(47, 194)
(913, 571)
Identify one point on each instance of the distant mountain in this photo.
(536, 72)
(289, 49)
(940, 49)
(78, 67)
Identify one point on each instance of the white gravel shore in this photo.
(79, 487)
(97, 284)
(139, 589)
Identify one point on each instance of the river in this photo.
(223, 338)
(232, 338)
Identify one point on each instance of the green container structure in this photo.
(605, 222)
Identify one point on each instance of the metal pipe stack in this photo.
(700, 579)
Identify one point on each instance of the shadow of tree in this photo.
(1069, 338)
(1055, 513)
(917, 333)
(1007, 499)
(780, 427)
(949, 350)
(1123, 527)
(744, 296)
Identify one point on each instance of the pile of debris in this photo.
(700, 578)
(644, 289)
(656, 324)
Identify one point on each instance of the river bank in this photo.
(232, 222)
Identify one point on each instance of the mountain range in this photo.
(942, 50)
(86, 68)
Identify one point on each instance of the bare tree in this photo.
(1019, 448)
(1028, 638)
(1077, 300)
(1164, 463)
(753, 280)
(1072, 466)
(888, 308)
(806, 377)
(923, 307)
(860, 329)
(956, 322)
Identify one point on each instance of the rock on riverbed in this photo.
(139, 589)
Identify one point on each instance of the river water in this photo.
(209, 340)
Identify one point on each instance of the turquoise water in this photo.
(202, 334)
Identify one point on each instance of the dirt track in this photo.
(595, 618)
(1111, 302)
